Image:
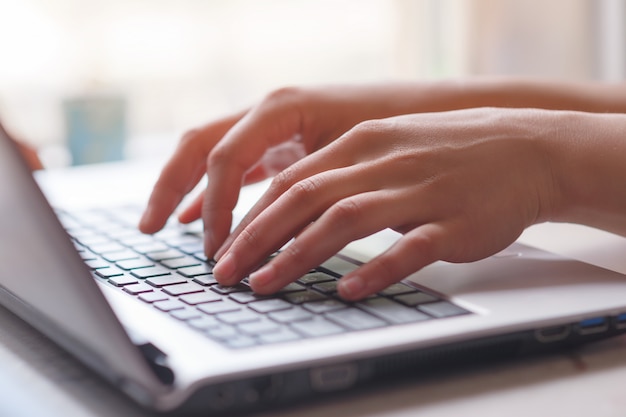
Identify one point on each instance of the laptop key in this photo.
(205, 280)
(193, 271)
(329, 287)
(151, 297)
(138, 288)
(109, 272)
(153, 271)
(220, 289)
(165, 254)
(315, 277)
(300, 297)
(180, 262)
(217, 307)
(324, 306)
(106, 247)
(96, 264)
(120, 256)
(122, 280)
(128, 264)
(291, 315)
(245, 297)
(355, 319)
(240, 341)
(415, 298)
(165, 280)
(191, 248)
(316, 327)
(442, 309)
(397, 289)
(283, 335)
(259, 327)
(223, 332)
(199, 298)
(180, 289)
(339, 266)
(392, 311)
(180, 239)
(237, 317)
(186, 313)
(291, 287)
(168, 305)
(267, 306)
(204, 323)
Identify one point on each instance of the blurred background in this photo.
(93, 80)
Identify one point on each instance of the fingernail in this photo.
(225, 269)
(262, 277)
(351, 287)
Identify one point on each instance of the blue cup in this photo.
(95, 128)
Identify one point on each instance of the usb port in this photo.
(620, 321)
(593, 325)
(552, 334)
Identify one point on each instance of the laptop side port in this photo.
(620, 321)
(552, 333)
(592, 325)
(333, 377)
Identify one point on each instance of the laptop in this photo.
(145, 313)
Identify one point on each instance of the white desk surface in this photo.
(38, 378)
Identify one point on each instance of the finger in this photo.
(412, 252)
(300, 205)
(336, 155)
(193, 211)
(324, 212)
(349, 219)
(303, 191)
(30, 156)
(182, 172)
(264, 127)
(275, 160)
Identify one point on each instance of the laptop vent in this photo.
(450, 357)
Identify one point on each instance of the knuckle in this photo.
(288, 264)
(220, 155)
(371, 128)
(190, 136)
(346, 211)
(283, 180)
(422, 244)
(293, 253)
(305, 190)
(250, 236)
(192, 141)
(365, 133)
(386, 269)
(284, 95)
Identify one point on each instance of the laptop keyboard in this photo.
(169, 271)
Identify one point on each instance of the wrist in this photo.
(587, 158)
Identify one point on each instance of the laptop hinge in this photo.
(157, 360)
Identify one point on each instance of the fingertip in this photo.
(146, 222)
(352, 288)
(262, 279)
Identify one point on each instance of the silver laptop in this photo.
(146, 314)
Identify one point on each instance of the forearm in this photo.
(588, 154)
(418, 97)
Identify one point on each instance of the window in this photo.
(177, 64)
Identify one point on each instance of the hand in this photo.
(459, 185)
(260, 142)
(30, 156)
